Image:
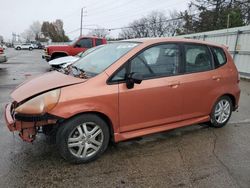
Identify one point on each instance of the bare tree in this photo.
(28, 35)
(35, 28)
(156, 24)
(245, 9)
(99, 32)
(33, 32)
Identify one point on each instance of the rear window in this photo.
(220, 57)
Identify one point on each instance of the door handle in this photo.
(217, 77)
(174, 84)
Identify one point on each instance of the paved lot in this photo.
(196, 156)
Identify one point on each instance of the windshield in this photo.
(101, 58)
(84, 53)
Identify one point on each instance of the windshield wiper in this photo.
(77, 68)
(80, 72)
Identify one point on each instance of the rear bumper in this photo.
(237, 98)
(46, 57)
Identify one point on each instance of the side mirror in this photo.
(132, 79)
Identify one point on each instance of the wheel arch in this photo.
(231, 96)
(102, 116)
(233, 99)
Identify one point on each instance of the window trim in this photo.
(128, 63)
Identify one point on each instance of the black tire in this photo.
(18, 48)
(71, 128)
(30, 48)
(214, 122)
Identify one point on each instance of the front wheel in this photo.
(30, 48)
(221, 112)
(83, 138)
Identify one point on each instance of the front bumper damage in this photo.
(27, 126)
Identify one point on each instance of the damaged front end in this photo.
(27, 117)
(27, 125)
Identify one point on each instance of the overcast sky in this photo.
(18, 15)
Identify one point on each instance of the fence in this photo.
(238, 41)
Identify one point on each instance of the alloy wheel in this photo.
(222, 111)
(85, 140)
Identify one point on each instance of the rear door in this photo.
(201, 83)
(157, 100)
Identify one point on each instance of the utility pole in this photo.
(83, 13)
(81, 22)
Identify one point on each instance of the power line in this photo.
(128, 27)
(117, 6)
(122, 17)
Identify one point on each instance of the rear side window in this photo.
(219, 56)
(197, 58)
(98, 42)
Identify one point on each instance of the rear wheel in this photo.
(18, 48)
(221, 112)
(30, 48)
(83, 138)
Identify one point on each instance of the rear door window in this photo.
(197, 58)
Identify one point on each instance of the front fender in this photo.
(89, 97)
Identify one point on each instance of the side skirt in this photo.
(150, 130)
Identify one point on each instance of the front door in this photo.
(157, 100)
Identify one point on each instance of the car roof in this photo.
(169, 39)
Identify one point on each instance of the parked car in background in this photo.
(75, 47)
(63, 62)
(37, 45)
(24, 46)
(3, 57)
(3, 46)
(124, 90)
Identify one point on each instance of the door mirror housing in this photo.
(132, 79)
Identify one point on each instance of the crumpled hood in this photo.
(62, 60)
(42, 84)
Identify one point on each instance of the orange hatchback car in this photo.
(126, 89)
